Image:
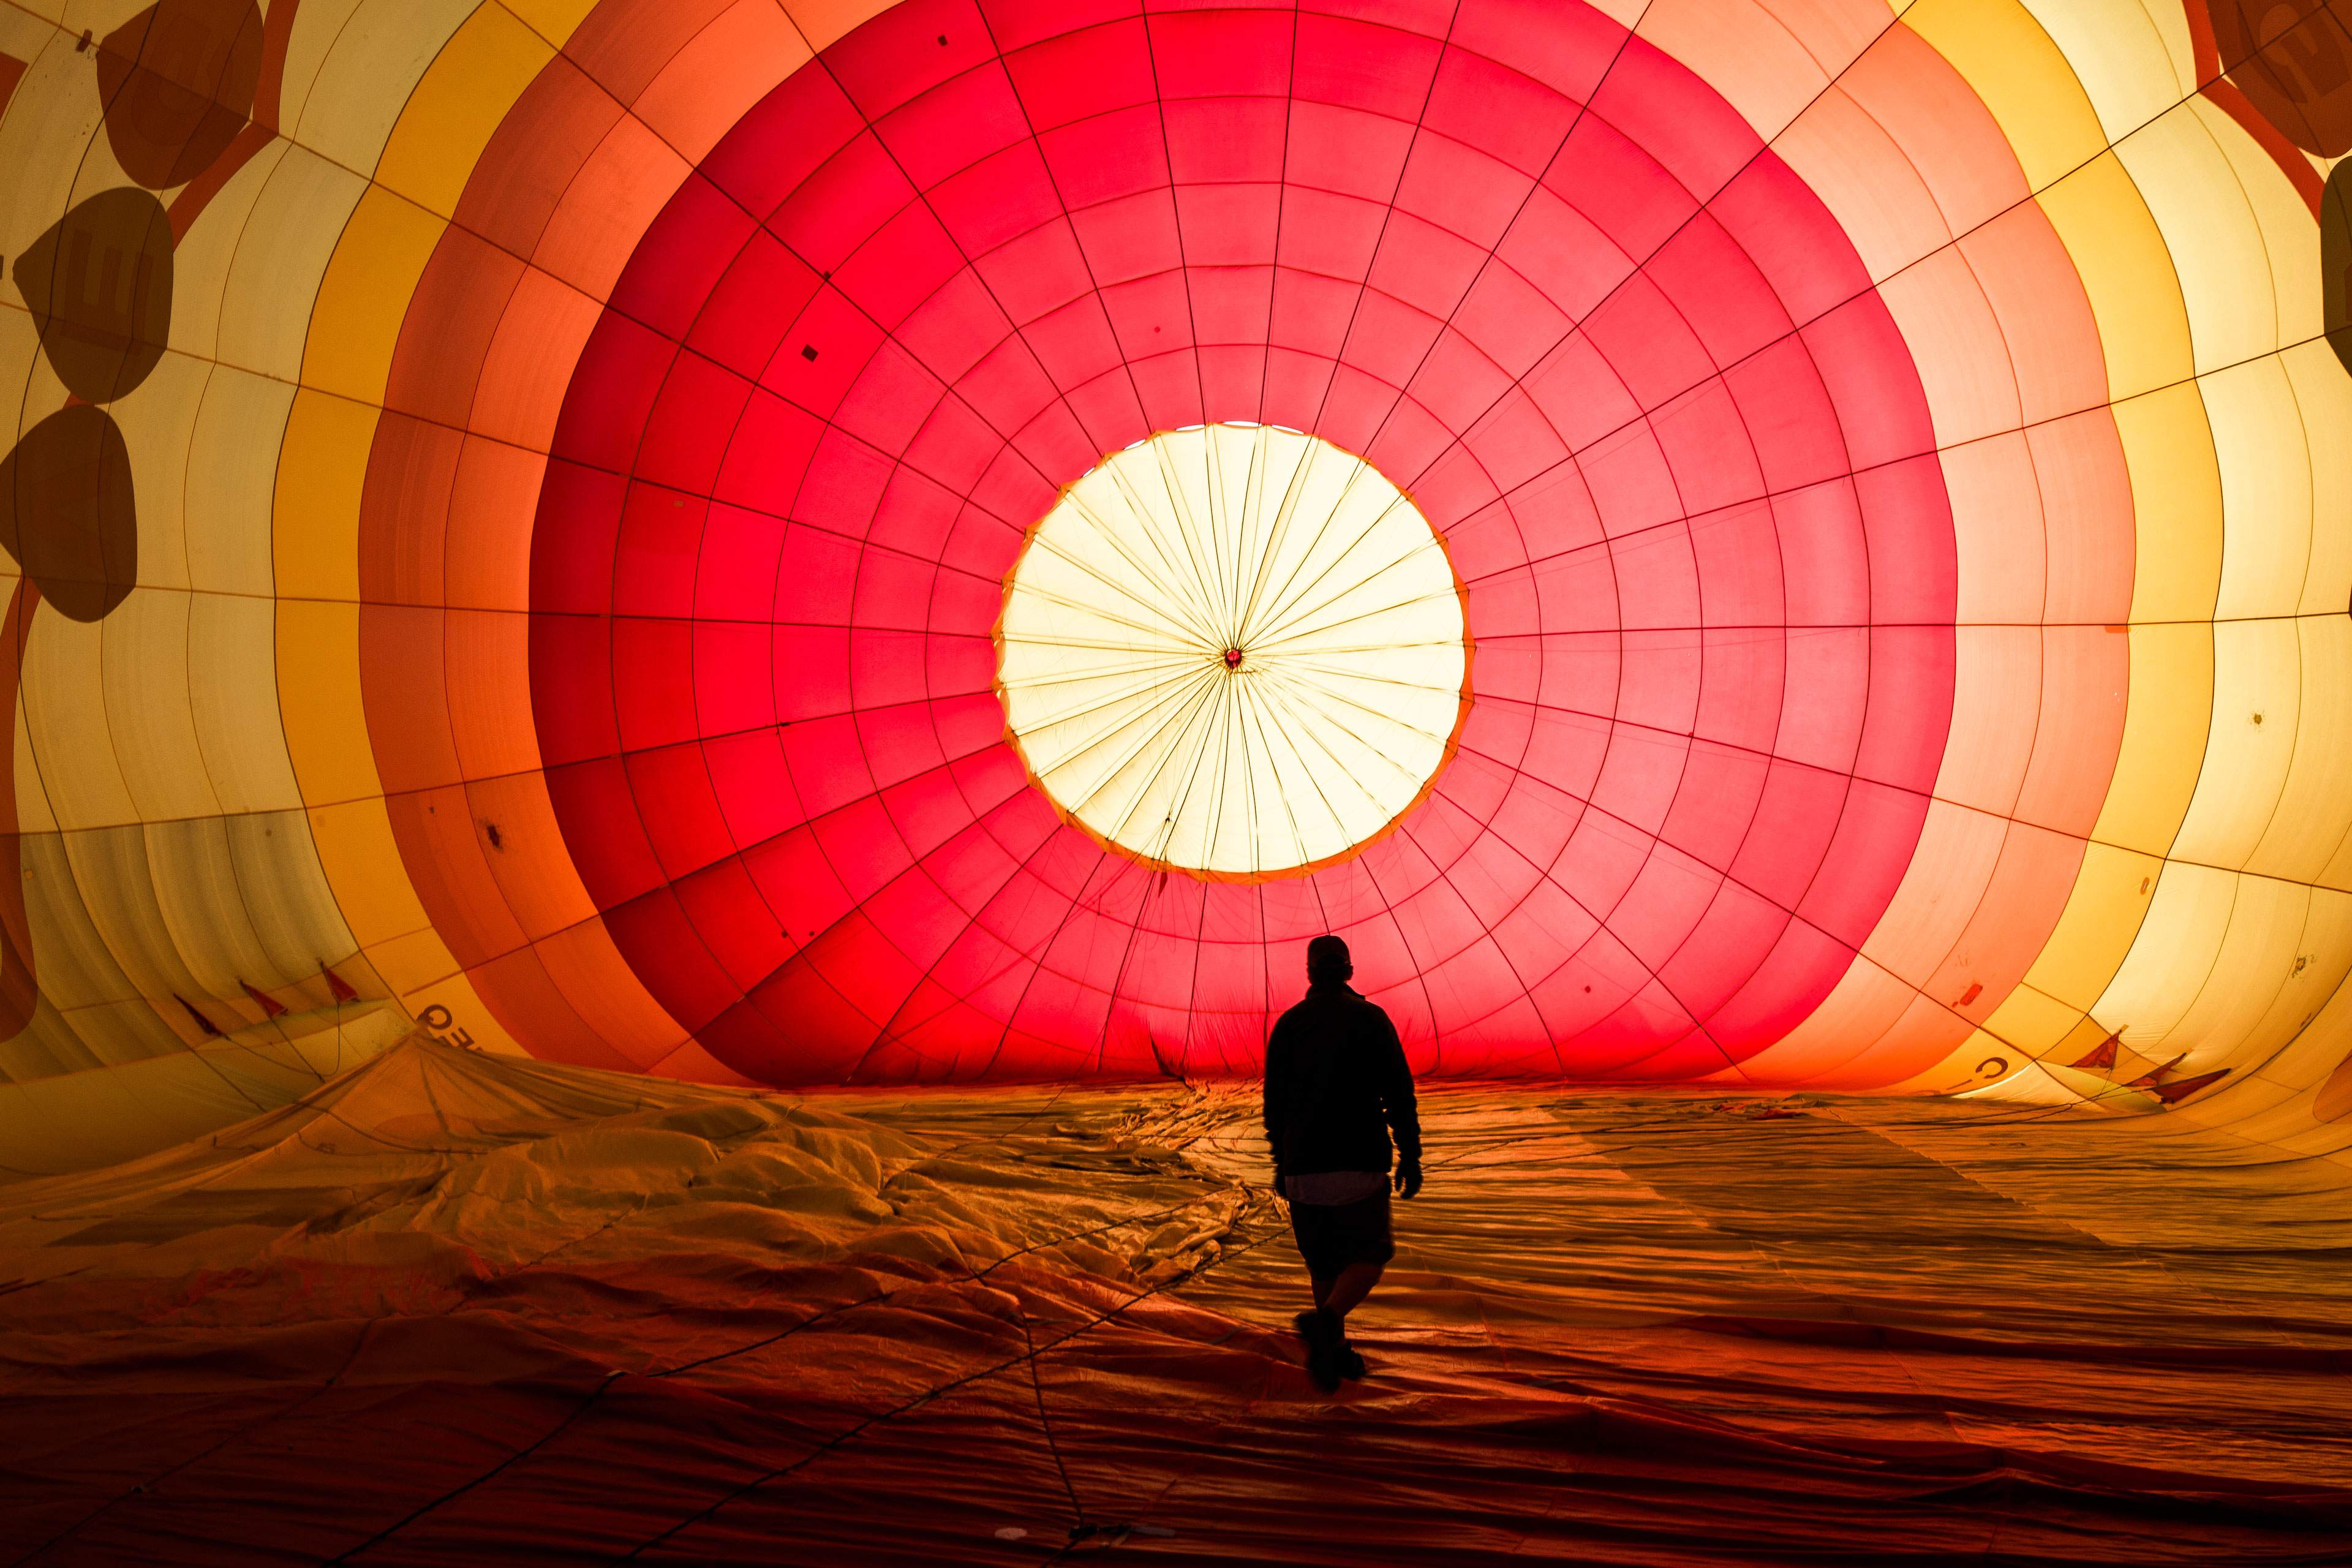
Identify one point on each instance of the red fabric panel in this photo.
(1542, 276)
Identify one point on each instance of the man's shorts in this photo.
(1333, 1235)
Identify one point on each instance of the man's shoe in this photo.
(1324, 1345)
(1351, 1365)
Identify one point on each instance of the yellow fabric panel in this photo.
(554, 20)
(356, 322)
(193, 869)
(412, 963)
(2171, 958)
(83, 1120)
(2305, 1062)
(2031, 1020)
(322, 25)
(362, 865)
(2259, 441)
(2257, 681)
(2029, 1084)
(76, 970)
(266, 303)
(233, 693)
(427, 976)
(29, 26)
(2320, 962)
(231, 469)
(129, 916)
(318, 693)
(51, 144)
(345, 91)
(157, 421)
(2165, 726)
(2284, 221)
(2322, 399)
(480, 73)
(33, 813)
(321, 470)
(2207, 219)
(2314, 816)
(2135, 295)
(2133, 58)
(2269, 923)
(2102, 914)
(205, 255)
(2176, 481)
(93, 771)
(2020, 76)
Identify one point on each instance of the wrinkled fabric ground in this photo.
(454, 1308)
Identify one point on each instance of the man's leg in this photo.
(1348, 1289)
(1322, 1284)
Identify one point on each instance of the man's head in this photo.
(1327, 963)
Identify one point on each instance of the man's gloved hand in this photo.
(1408, 1178)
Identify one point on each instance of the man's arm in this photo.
(1275, 1099)
(1398, 1104)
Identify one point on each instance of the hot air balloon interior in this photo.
(683, 677)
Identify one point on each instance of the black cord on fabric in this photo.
(973, 1276)
(1045, 1424)
(359, 1340)
(368, 1324)
(1083, 1529)
(574, 1414)
(927, 1396)
(597, 1394)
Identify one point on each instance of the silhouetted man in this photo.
(1335, 1087)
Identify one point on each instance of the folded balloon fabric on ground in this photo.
(456, 1306)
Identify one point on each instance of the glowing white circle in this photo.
(1234, 651)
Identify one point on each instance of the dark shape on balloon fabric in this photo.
(2101, 1057)
(211, 1030)
(67, 513)
(2335, 262)
(2177, 1090)
(2292, 59)
(178, 81)
(98, 284)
